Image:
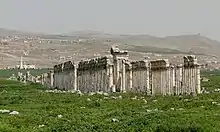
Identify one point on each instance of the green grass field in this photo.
(6, 73)
(41, 112)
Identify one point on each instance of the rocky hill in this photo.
(52, 49)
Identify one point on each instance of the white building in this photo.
(25, 66)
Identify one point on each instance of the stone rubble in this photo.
(14, 113)
(4, 111)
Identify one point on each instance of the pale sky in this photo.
(153, 17)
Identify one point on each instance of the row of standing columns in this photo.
(117, 74)
(158, 77)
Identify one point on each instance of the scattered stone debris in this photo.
(80, 93)
(154, 110)
(113, 97)
(149, 110)
(4, 111)
(105, 94)
(91, 93)
(106, 97)
(115, 120)
(12, 77)
(14, 113)
(60, 116)
(10, 112)
(134, 98)
(172, 108)
(204, 90)
(59, 91)
(120, 97)
(40, 126)
(154, 100)
(186, 100)
(214, 102)
(202, 106)
(99, 100)
(100, 93)
(180, 109)
(217, 90)
(145, 101)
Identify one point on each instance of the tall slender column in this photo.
(51, 79)
(168, 80)
(148, 80)
(198, 88)
(123, 76)
(111, 78)
(173, 85)
(75, 77)
(42, 79)
(130, 77)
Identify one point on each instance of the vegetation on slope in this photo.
(43, 111)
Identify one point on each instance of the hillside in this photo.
(11, 32)
(89, 44)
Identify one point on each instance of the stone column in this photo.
(42, 79)
(173, 84)
(130, 77)
(28, 76)
(180, 89)
(148, 80)
(75, 77)
(117, 70)
(24, 79)
(198, 87)
(51, 79)
(192, 91)
(169, 80)
(123, 76)
(152, 82)
(111, 78)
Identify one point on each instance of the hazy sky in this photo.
(154, 17)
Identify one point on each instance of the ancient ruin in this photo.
(116, 73)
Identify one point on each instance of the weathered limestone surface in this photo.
(69, 75)
(58, 76)
(140, 76)
(119, 59)
(191, 75)
(94, 75)
(179, 88)
(128, 76)
(160, 75)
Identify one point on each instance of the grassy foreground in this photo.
(6, 73)
(40, 111)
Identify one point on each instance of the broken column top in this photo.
(138, 65)
(116, 51)
(190, 61)
(159, 64)
(58, 68)
(69, 65)
(95, 63)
